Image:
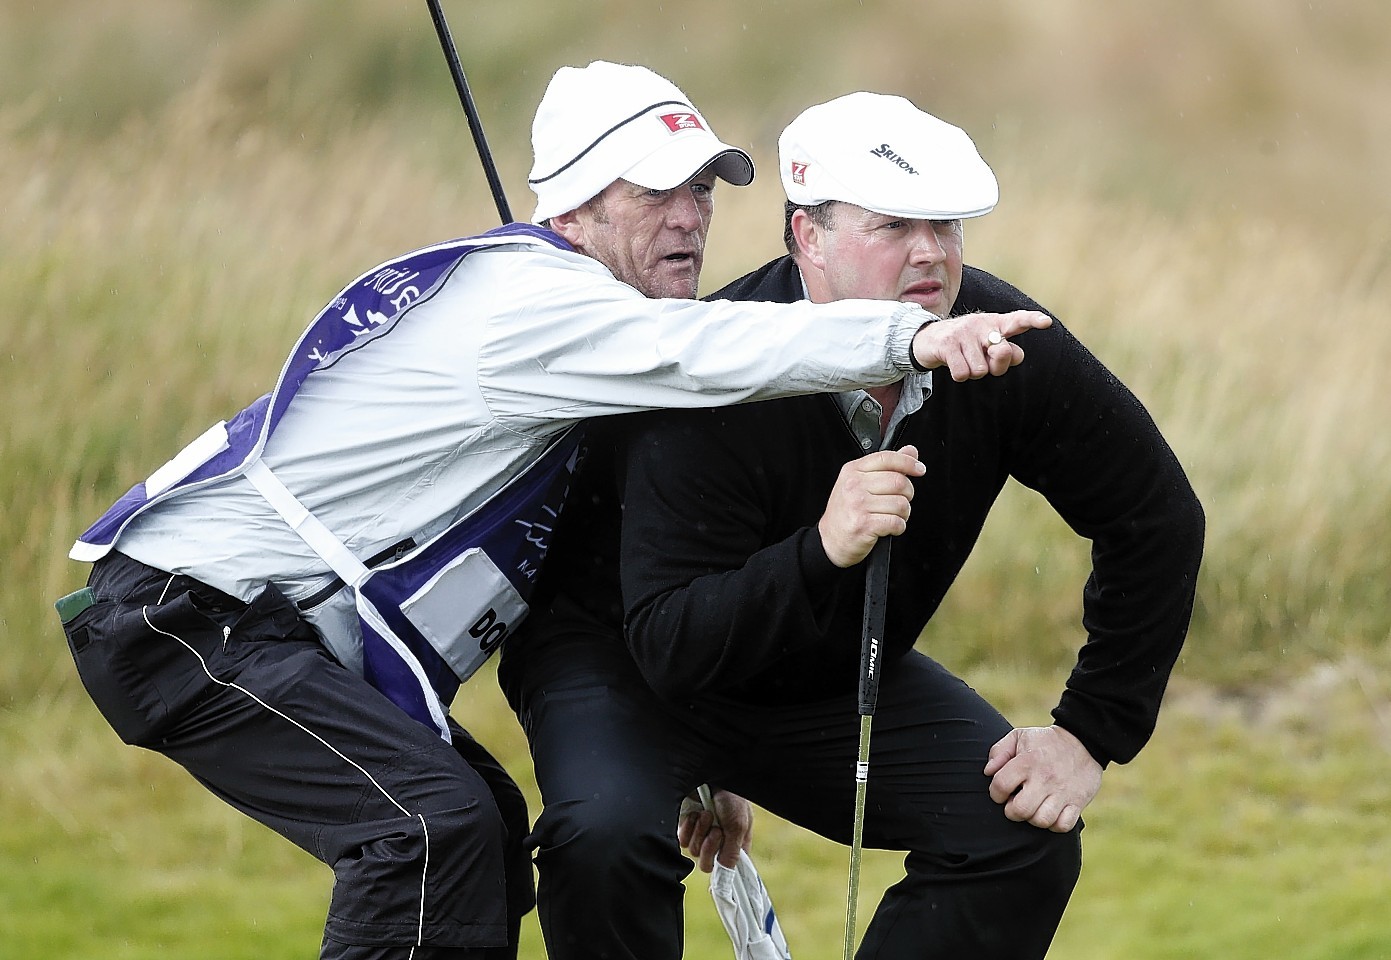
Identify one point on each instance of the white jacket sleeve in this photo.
(561, 339)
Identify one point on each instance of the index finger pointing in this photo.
(1018, 321)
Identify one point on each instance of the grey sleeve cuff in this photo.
(907, 321)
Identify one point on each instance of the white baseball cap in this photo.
(884, 154)
(612, 121)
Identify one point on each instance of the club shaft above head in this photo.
(475, 123)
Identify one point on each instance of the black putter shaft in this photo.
(871, 660)
(456, 70)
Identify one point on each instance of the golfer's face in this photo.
(878, 257)
(653, 240)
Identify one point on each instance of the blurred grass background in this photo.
(1196, 189)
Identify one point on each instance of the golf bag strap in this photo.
(309, 527)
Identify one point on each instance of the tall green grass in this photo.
(1194, 189)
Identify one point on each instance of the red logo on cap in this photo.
(676, 122)
(799, 172)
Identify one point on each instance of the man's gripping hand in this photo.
(1043, 775)
(973, 345)
(870, 500)
(721, 834)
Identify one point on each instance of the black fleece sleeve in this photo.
(709, 600)
(1102, 463)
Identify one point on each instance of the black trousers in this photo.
(425, 838)
(613, 762)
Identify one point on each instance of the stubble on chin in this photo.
(675, 288)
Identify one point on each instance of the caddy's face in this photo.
(652, 240)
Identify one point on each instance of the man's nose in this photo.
(683, 211)
(927, 246)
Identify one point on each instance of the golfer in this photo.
(740, 547)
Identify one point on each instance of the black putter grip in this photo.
(872, 639)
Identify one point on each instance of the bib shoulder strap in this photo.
(309, 527)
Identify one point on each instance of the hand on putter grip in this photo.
(1043, 775)
(964, 344)
(870, 500)
(720, 834)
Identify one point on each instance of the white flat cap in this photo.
(884, 154)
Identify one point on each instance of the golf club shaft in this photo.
(456, 70)
(857, 840)
(872, 638)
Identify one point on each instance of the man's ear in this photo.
(569, 226)
(810, 240)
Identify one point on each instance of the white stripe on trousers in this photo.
(420, 922)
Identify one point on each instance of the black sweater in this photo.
(726, 588)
